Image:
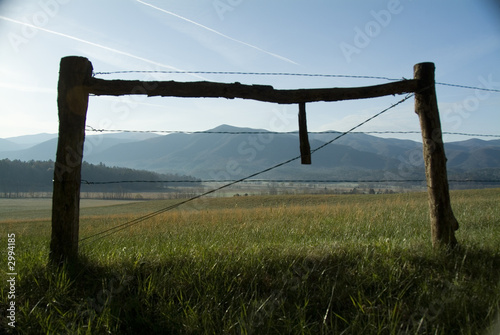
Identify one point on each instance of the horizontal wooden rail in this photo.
(205, 89)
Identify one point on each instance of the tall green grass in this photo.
(355, 264)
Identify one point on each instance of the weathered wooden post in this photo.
(443, 221)
(72, 102)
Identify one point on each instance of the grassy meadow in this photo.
(301, 264)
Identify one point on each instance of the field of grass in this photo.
(322, 264)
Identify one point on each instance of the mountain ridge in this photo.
(229, 152)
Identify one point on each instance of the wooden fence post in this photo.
(72, 102)
(443, 221)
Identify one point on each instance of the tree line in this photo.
(18, 177)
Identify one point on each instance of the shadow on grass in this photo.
(371, 292)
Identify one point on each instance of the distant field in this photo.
(40, 208)
(301, 264)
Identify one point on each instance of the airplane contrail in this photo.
(90, 43)
(218, 33)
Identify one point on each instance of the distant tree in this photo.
(36, 176)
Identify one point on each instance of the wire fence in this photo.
(251, 178)
(298, 181)
(257, 132)
(112, 230)
(90, 128)
(251, 74)
(290, 75)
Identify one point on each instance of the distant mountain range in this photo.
(232, 156)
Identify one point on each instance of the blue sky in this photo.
(374, 38)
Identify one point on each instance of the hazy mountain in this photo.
(44, 146)
(488, 157)
(473, 143)
(26, 141)
(6, 145)
(229, 156)
(232, 156)
(387, 147)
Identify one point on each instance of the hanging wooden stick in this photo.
(305, 149)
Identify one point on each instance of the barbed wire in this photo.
(252, 74)
(290, 74)
(257, 132)
(127, 224)
(298, 181)
(469, 87)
